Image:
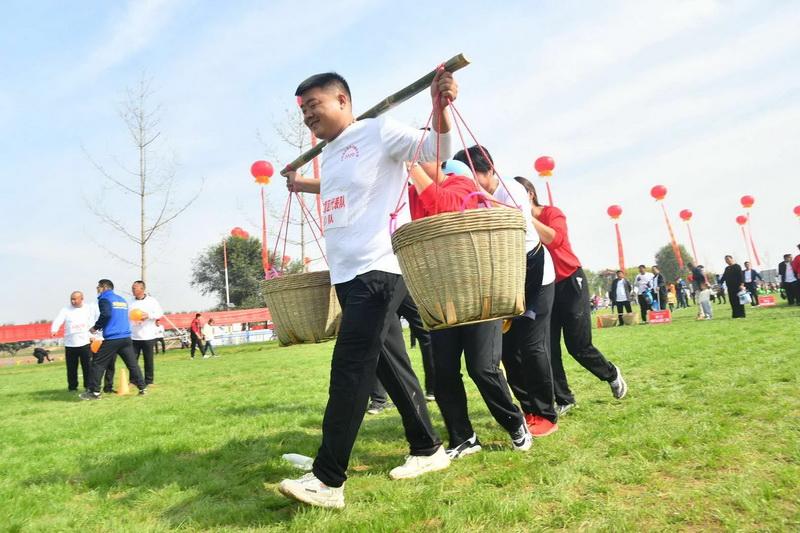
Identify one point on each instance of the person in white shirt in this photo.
(160, 337)
(619, 295)
(77, 318)
(208, 336)
(704, 300)
(144, 330)
(364, 176)
(643, 283)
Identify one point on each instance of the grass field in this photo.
(708, 438)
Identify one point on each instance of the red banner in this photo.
(768, 300)
(31, 332)
(659, 317)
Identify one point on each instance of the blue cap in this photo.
(451, 166)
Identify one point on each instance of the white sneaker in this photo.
(522, 439)
(308, 489)
(618, 386)
(416, 465)
(468, 447)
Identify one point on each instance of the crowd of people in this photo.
(94, 335)
(737, 285)
(367, 164)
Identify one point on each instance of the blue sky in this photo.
(703, 97)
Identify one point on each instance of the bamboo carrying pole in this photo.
(451, 65)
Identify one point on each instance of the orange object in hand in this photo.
(136, 315)
(95, 346)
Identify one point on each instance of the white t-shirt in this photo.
(748, 276)
(208, 332)
(364, 176)
(622, 295)
(77, 322)
(145, 330)
(513, 193)
(643, 282)
(791, 275)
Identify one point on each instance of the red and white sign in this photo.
(659, 317)
(767, 301)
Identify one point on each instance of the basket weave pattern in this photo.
(304, 307)
(464, 267)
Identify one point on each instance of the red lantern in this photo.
(685, 215)
(747, 201)
(741, 220)
(797, 210)
(262, 171)
(614, 211)
(240, 233)
(545, 165)
(658, 192)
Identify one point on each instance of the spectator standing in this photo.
(789, 282)
(144, 331)
(77, 318)
(644, 291)
(751, 279)
(160, 337)
(619, 294)
(734, 281)
(659, 285)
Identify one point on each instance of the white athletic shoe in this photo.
(618, 386)
(522, 439)
(308, 489)
(416, 465)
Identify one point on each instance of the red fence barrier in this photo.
(32, 332)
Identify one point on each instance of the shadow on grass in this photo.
(54, 395)
(230, 486)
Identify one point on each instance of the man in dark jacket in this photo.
(789, 281)
(116, 328)
(619, 294)
(751, 279)
(734, 281)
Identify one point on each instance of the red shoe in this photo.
(539, 426)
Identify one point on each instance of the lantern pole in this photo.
(264, 252)
(620, 253)
(674, 242)
(752, 243)
(691, 240)
(225, 262)
(315, 166)
(746, 247)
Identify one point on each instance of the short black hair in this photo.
(480, 157)
(139, 282)
(324, 80)
(620, 272)
(106, 284)
(197, 315)
(642, 266)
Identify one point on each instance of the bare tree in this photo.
(151, 184)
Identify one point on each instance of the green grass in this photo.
(708, 438)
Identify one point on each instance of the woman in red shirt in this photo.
(480, 343)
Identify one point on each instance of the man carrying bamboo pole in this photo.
(363, 165)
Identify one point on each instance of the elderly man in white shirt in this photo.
(144, 330)
(77, 318)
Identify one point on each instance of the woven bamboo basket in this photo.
(464, 267)
(630, 319)
(304, 307)
(607, 321)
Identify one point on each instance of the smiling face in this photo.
(326, 111)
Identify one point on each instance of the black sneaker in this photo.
(143, 391)
(522, 439)
(564, 408)
(468, 447)
(89, 395)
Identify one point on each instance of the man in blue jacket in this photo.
(116, 328)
